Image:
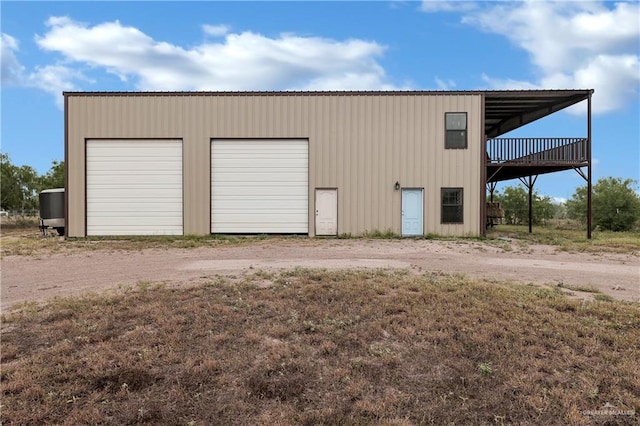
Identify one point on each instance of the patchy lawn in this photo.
(571, 239)
(318, 347)
(29, 241)
(24, 238)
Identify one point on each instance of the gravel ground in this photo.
(40, 277)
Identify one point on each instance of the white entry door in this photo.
(412, 212)
(326, 211)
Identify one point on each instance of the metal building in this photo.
(314, 163)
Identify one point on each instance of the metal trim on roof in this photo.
(496, 93)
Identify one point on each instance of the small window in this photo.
(456, 130)
(452, 206)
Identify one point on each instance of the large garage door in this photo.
(259, 186)
(134, 187)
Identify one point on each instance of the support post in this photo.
(589, 225)
(531, 180)
(492, 189)
(530, 205)
(483, 172)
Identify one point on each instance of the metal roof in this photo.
(505, 111)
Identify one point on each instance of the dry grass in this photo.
(571, 239)
(584, 288)
(20, 239)
(316, 347)
(27, 241)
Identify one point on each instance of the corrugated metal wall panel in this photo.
(361, 144)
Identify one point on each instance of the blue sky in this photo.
(48, 47)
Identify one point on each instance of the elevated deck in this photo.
(527, 158)
(511, 158)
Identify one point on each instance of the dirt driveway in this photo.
(37, 278)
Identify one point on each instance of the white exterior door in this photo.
(326, 211)
(260, 186)
(134, 187)
(412, 212)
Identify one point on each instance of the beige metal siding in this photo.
(359, 143)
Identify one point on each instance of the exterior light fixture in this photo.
(397, 186)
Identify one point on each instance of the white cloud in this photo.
(52, 79)
(55, 79)
(242, 61)
(572, 45)
(558, 200)
(350, 81)
(509, 84)
(216, 30)
(398, 4)
(433, 6)
(12, 71)
(615, 78)
(445, 84)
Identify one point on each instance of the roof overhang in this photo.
(506, 110)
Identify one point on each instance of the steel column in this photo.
(484, 162)
(529, 184)
(492, 188)
(589, 166)
(530, 206)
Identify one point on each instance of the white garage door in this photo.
(259, 186)
(134, 187)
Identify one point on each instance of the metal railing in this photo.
(527, 151)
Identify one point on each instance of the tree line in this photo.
(615, 202)
(615, 205)
(20, 185)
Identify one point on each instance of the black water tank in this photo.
(52, 209)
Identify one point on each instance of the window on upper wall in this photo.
(452, 205)
(455, 124)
